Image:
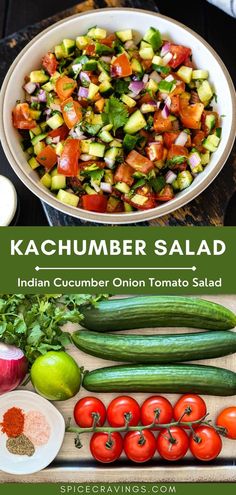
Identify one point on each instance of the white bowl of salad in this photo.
(117, 115)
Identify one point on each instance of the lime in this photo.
(56, 376)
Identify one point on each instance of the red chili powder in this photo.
(13, 422)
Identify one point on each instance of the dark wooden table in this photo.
(214, 25)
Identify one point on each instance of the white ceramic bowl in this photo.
(112, 20)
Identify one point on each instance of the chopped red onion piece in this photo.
(167, 58)
(95, 186)
(105, 187)
(84, 77)
(76, 67)
(155, 76)
(73, 133)
(85, 157)
(169, 78)
(170, 177)
(30, 87)
(106, 59)
(168, 102)
(129, 44)
(182, 139)
(83, 92)
(34, 99)
(55, 107)
(165, 112)
(47, 112)
(165, 49)
(194, 160)
(145, 78)
(42, 96)
(55, 140)
(136, 87)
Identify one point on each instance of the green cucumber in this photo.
(156, 348)
(157, 311)
(175, 378)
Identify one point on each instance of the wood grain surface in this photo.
(73, 465)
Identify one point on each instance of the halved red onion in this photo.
(194, 160)
(136, 87)
(169, 78)
(106, 59)
(105, 187)
(182, 139)
(30, 87)
(83, 92)
(13, 367)
(167, 58)
(84, 77)
(85, 157)
(165, 112)
(42, 97)
(155, 76)
(56, 107)
(170, 177)
(165, 49)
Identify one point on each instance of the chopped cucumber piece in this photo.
(38, 138)
(35, 114)
(39, 147)
(147, 108)
(89, 190)
(67, 198)
(200, 74)
(211, 143)
(135, 123)
(97, 120)
(97, 149)
(158, 183)
(84, 145)
(205, 158)
(116, 144)
(136, 66)
(138, 199)
(157, 60)
(101, 49)
(55, 121)
(128, 208)
(166, 86)
(48, 86)
(68, 46)
(105, 136)
(82, 42)
(111, 156)
(58, 182)
(112, 204)
(90, 65)
(33, 163)
(59, 148)
(184, 179)
(152, 86)
(122, 187)
(210, 122)
(205, 92)
(153, 36)
(106, 88)
(146, 51)
(59, 52)
(97, 33)
(129, 142)
(38, 76)
(185, 73)
(36, 131)
(125, 35)
(93, 90)
(46, 180)
(128, 101)
(103, 76)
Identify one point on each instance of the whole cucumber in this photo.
(171, 378)
(157, 311)
(156, 348)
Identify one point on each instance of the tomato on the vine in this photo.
(205, 443)
(227, 420)
(172, 443)
(86, 408)
(139, 446)
(121, 408)
(156, 405)
(189, 407)
(106, 447)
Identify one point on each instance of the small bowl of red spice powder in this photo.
(31, 432)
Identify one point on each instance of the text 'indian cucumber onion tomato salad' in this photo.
(114, 125)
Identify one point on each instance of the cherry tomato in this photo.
(172, 444)
(190, 115)
(227, 420)
(68, 161)
(86, 408)
(47, 157)
(156, 403)
(192, 405)
(50, 63)
(106, 448)
(71, 111)
(121, 67)
(139, 162)
(94, 202)
(22, 118)
(205, 444)
(65, 87)
(161, 124)
(180, 54)
(139, 447)
(124, 173)
(119, 408)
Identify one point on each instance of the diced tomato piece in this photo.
(68, 161)
(146, 64)
(174, 107)
(50, 63)
(22, 118)
(170, 137)
(166, 194)
(180, 54)
(190, 115)
(99, 164)
(65, 87)
(180, 166)
(94, 202)
(179, 88)
(99, 105)
(61, 132)
(124, 173)
(121, 66)
(146, 98)
(109, 40)
(47, 157)
(154, 151)
(176, 150)
(198, 138)
(94, 79)
(90, 49)
(71, 111)
(188, 63)
(139, 162)
(148, 205)
(161, 124)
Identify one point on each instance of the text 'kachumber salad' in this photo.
(112, 125)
